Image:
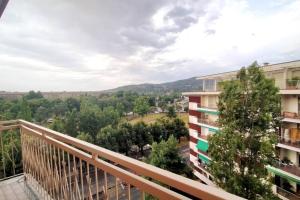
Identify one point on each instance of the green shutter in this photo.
(204, 159)
(202, 145)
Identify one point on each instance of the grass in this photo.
(151, 118)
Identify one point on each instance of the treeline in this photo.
(34, 107)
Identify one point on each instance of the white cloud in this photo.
(112, 43)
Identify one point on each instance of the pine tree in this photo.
(249, 117)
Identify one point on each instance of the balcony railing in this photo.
(62, 167)
(208, 122)
(213, 107)
(292, 115)
(287, 194)
(290, 142)
(292, 84)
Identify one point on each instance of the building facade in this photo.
(203, 116)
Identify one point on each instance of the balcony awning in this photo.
(202, 145)
(284, 174)
(204, 158)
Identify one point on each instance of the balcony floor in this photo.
(13, 188)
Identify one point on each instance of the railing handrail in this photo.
(186, 185)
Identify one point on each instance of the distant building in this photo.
(203, 115)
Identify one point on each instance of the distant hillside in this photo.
(186, 85)
(191, 84)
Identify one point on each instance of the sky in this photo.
(62, 45)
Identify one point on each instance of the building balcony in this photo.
(214, 126)
(287, 194)
(213, 109)
(291, 117)
(292, 84)
(57, 166)
(287, 171)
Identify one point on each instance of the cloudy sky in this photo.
(55, 45)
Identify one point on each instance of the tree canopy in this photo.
(249, 117)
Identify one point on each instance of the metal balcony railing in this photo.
(208, 122)
(62, 167)
(287, 194)
(292, 84)
(211, 106)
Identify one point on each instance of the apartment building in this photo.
(203, 116)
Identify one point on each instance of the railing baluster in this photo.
(129, 191)
(105, 185)
(12, 152)
(69, 173)
(97, 184)
(3, 157)
(81, 177)
(51, 171)
(117, 190)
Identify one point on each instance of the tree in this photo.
(90, 122)
(249, 116)
(57, 125)
(141, 135)
(33, 95)
(165, 155)
(85, 137)
(141, 105)
(124, 137)
(73, 103)
(107, 138)
(156, 130)
(25, 111)
(71, 123)
(171, 112)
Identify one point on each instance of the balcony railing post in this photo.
(2, 151)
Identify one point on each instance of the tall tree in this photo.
(141, 135)
(171, 112)
(165, 155)
(107, 138)
(25, 111)
(71, 123)
(85, 137)
(141, 105)
(124, 137)
(249, 116)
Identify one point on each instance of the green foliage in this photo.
(124, 137)
(141, 105)
(249, 115)
(71, 123)
(11, 154)
(73, 104)
(165, 155)
(25, 112)
(107, 138)
(172, 126)
(57, 125)
(85, 137)
(171, 112)
(33, 95)
(141, 135)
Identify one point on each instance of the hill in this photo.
(185, 85)
(191, 84)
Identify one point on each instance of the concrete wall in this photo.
(290, 103)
